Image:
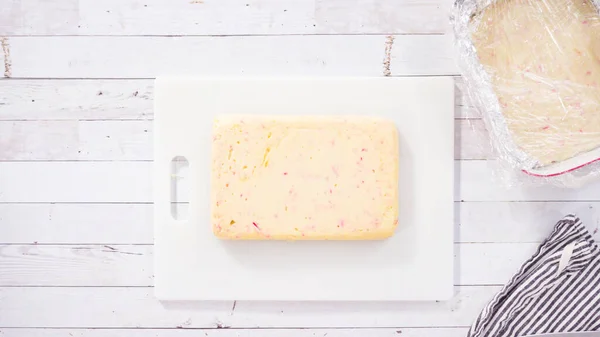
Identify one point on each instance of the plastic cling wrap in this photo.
(532, 68)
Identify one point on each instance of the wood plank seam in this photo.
(6, 56)
(387, 60)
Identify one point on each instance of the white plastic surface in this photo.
(415, 264)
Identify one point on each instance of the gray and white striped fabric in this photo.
(557, 290)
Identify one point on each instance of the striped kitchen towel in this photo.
(557, 290)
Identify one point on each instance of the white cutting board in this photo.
(415, 264)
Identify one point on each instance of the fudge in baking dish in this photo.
(543, 60)
(301, 178)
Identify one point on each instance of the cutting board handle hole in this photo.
(180, 188)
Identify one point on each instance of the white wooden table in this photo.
(75, 160)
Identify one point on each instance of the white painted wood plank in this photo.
(132, 140)
(422, 55)
(381, 332)
(471, 140)
(76, 223)
(75, 182)
(476, 222)
(76, 99)
(70, 99)
(121, 57)
(463, 100)
(110, 140)
(491, 181)
(127, 265)
(41, 265)
(490, 263)
(461, 97)
(19, 140)
(136, 308)
(131, 182)
(223, 17)
(76, 140)
(519, 221)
